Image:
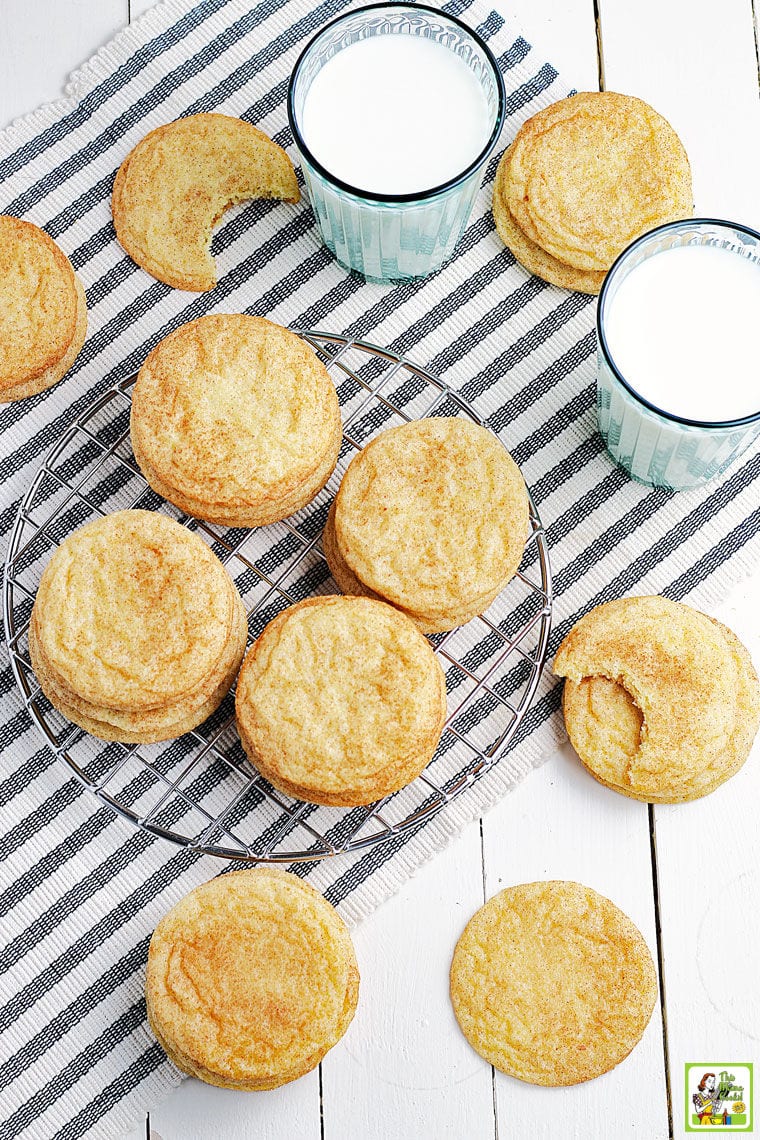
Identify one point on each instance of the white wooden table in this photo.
(688, 875)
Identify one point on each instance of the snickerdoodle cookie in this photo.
(137, 629)
(43, 311)
(251, 980)
(432, 517)
(535, 259)
(661, 702)
(340, 701)
(552, 983)
(235, 420)
(582, 179)
(175, 184)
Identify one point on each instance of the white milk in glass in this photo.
(396, 114)
(682, 329)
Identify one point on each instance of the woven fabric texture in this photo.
(81, 891)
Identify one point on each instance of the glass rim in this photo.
(415, 196)
(684, 223)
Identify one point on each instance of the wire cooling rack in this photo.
(200, 790)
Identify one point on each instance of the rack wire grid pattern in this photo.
(200, 790)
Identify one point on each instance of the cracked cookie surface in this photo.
(251, 980)
(552, 983)
(175, 184)
(661, 702)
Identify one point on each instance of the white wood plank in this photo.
(403, 1068)
(696, 64)
(708, 855)
(137, 7)
(564, 33)
(197, 1111)
(43, 42)
(562, 824)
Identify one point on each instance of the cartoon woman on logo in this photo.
(706, 1101)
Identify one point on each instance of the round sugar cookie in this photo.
(251, 980)
(661, 702)
(175, 184)
(235, 420)
(340, 701)
(552, 983)
(236, 516)
(135, 613)
(590, 173)
(152, 725)
(43, 311)
(350, 584)
(531, 256)
(433, 516)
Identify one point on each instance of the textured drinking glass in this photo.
(398, 235)
(653, 446)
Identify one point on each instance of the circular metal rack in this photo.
(200, 790)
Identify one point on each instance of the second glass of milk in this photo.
(678, 377)
(395, 110)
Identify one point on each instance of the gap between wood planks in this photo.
(753, 5)
(493, 1070)
(599, 48)
(660, 962)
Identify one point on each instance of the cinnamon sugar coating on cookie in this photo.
(251, 980)
(552, 983)
(661, 702)
(175, 184)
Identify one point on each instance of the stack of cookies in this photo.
(340, 701)
(661, 702)
(582, 179)
(431, 517)
(43, 311)
(251, 979)
(235, 420)
(137, 630)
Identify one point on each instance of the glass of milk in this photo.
(678, 379)
(395, 110)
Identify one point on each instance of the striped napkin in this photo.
(81, 891)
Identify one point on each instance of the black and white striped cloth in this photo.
(81, 891)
